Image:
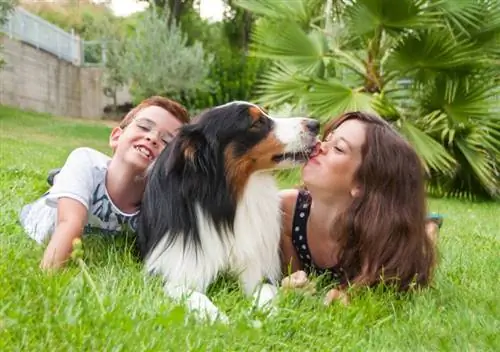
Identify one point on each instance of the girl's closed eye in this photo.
(338, 149)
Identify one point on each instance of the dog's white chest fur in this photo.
(251, 252)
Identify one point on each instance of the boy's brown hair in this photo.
(173, 107)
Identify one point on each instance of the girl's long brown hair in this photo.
(382, 233)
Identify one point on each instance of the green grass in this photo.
(59, 312)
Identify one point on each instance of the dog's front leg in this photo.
(197, 302)
(263, 293)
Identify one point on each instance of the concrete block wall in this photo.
(36, 80)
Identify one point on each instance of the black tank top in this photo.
(299, 238)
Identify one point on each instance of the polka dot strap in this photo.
(299, 228)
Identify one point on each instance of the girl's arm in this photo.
(71, 218)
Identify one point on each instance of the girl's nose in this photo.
(323, 148)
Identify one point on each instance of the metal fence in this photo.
(29, 28)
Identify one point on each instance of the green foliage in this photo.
(84, 18)
(113, 42)
(232, 75)
(6, 7)
(430, 67)
(93, 22)
(157, 59)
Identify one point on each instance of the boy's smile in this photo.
(145, 152)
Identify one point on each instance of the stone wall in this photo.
(36, 80)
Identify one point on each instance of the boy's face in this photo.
(144, 138)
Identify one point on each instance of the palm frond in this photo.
(331, 97)
(298, 10)
(350, 61)
(281, 84)
(462, 15)
(433, 154)
(432, 50)
(462, 98)
(286, 41)
(482, 163)
(365, 17)
(385, 108)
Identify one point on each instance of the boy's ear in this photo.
(114, 136)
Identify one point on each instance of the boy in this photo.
(93, 191)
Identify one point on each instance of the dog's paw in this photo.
(264, 301)
(264, 296)
(204, 309)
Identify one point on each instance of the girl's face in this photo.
(332, 169)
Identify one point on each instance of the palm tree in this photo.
(431, 67)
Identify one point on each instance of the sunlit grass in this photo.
(59, 312)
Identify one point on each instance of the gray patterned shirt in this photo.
(82, 178)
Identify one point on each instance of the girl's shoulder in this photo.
(288, 200)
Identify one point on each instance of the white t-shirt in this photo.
(81, 178)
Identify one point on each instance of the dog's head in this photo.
(247, 139)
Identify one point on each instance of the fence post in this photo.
(75, 58)
(103, 52)
(79, 51)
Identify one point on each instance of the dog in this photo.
(211, 203)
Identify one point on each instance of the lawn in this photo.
(59, 312)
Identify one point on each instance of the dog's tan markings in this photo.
(255, 113)
(238, 170)
(262, 153)
(260, 157)
(189, 151)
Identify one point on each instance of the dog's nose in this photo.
(312, 126)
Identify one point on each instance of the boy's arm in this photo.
(71, 194)
(72, 216)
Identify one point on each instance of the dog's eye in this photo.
(258, 123)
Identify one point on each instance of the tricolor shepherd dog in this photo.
(212, 205)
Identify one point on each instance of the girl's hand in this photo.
(336, 295)
(298, 280)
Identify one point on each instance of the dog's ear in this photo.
(193, 150)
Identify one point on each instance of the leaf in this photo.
(331, 97)
(431, 151)
(286, 41)
(482, 164)
(296, 10)
(470, 17)
(349, 60)
(462, 98)
(281, 84)
(385, 108)
(433, 50)
(365, 17)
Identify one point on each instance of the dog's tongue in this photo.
(315, 150)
